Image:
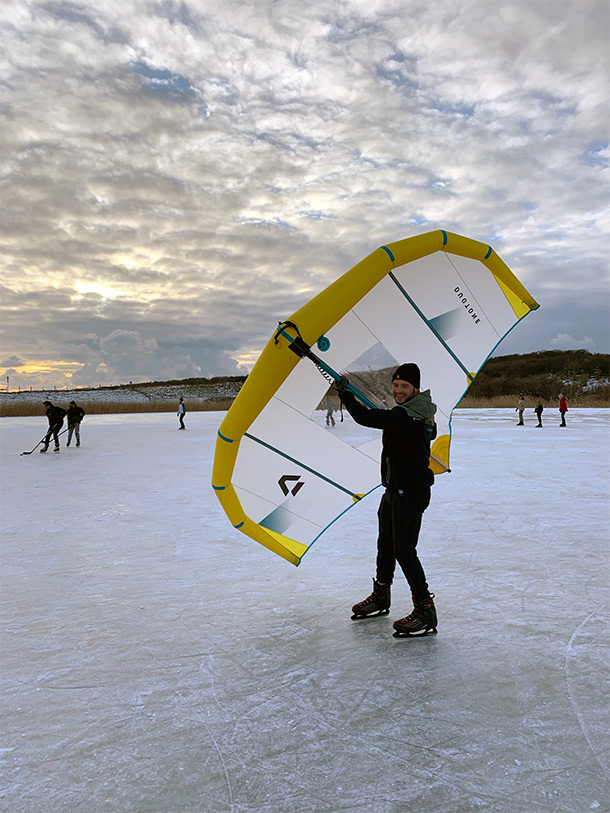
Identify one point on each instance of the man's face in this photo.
(403, 391)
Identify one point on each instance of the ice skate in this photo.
(422, 621)
(378, 603)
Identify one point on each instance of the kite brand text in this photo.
(470, 310)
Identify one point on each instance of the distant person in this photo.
(563, 408)
(181, 413)
(538, 409)
(521, 409)
(330, 421)
(55, 416)
(75, 416)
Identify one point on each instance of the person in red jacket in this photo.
(563, 408)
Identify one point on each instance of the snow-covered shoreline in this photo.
(141, 396)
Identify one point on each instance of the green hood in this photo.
(421, 407)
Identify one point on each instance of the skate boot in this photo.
(422, 620)
(378, 603)
(43, 450)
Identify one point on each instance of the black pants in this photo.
(53, 433)
(181, 418)
(400, 516)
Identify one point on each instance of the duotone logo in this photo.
(291, 478)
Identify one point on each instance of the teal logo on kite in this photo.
(292, 478)
(323, 344)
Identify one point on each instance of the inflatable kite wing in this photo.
(440, 300)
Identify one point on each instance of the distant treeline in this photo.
(583, 377)
(178, 382)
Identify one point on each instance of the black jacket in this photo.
(405, 444)
(75, 414)
(55, 415)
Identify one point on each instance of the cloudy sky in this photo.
(179, 176)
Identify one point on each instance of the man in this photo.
(408, 429)
(181, 413)
(75, 416)
(521, 409)
(539, 409)
(55, 416)
(330, 407)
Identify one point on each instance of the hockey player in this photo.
(55, 416)
(408, 429)
(75, 416)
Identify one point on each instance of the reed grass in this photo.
(116, 407)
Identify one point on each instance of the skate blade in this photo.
(401, 634)
(356, 616)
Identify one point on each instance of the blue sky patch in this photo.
(163, 81)
(594, 154)
(400, 71)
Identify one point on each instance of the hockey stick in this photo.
(42, 439)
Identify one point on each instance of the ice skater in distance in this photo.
(181, 413)
(330, 407)
(539, 409)
(563, 408)
(407, 478)
(521, 409)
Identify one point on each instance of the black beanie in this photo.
(47, 403)
(410, 373)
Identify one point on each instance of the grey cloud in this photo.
(127, 356)
(177, 12)
(168, 167)
(78, 14)
(564, 341)
(12, 361)
(558, 323)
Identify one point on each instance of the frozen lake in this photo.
(155, 660)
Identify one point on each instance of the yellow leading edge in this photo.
(318, 317)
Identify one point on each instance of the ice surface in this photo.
(155, 660)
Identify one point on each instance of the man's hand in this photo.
(342, 385)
